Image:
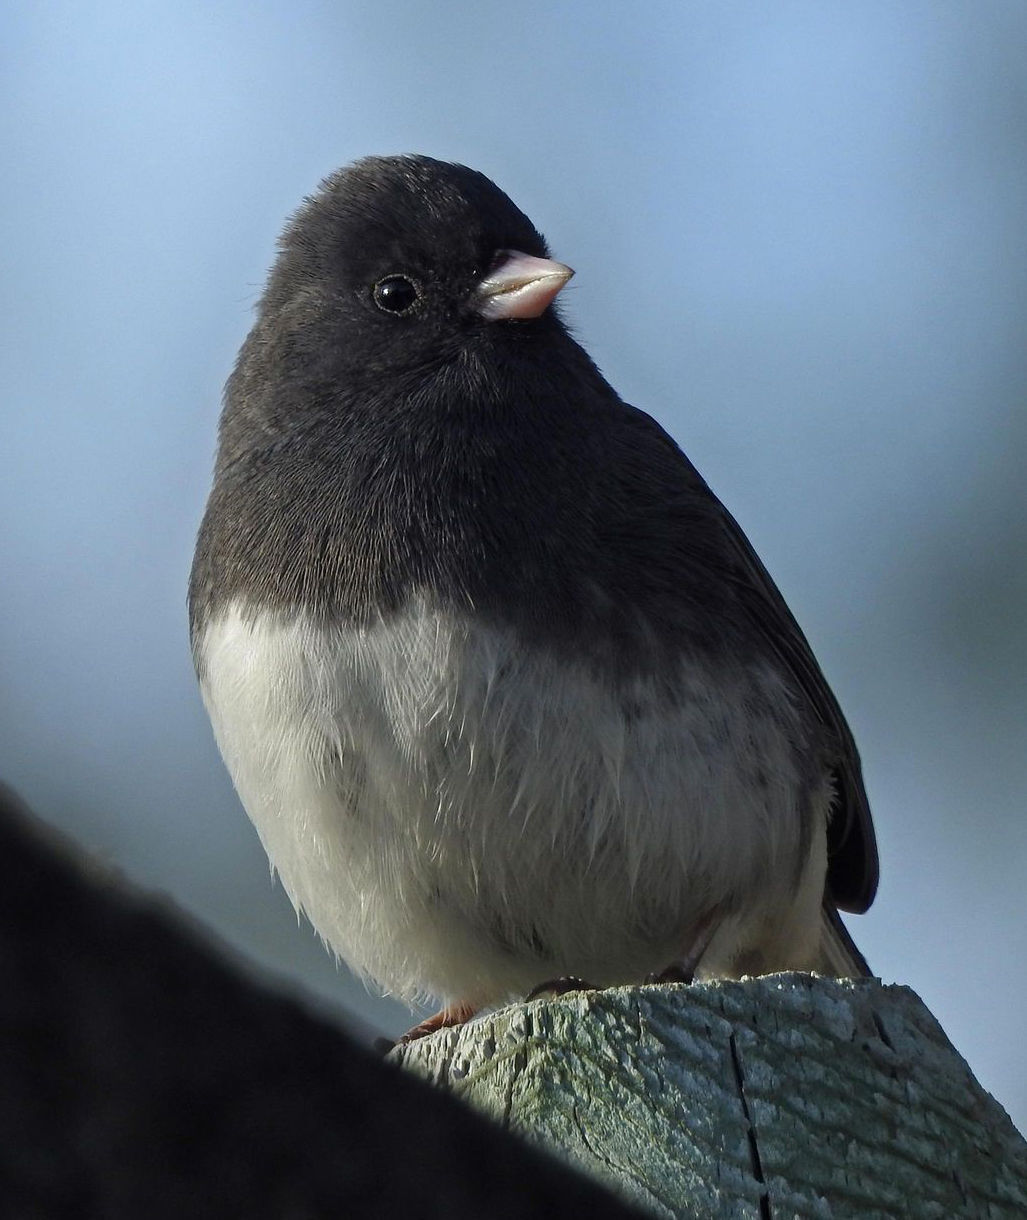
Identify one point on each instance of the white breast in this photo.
(460, 816)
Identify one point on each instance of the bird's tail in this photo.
(838, 953)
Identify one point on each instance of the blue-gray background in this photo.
(799, 231)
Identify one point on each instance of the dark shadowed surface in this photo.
(139, 1076)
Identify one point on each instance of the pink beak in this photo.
(519, 286)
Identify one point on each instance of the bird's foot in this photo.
(560, 986)
(683, 969)
(452, 1014)
(676, 972)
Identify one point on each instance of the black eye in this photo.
(396, 294)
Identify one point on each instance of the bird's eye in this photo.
(396, 294)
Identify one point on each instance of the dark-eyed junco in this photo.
(503, 686)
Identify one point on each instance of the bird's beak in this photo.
(519, 286)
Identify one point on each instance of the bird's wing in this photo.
(852, 846)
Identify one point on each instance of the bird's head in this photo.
(399, 263)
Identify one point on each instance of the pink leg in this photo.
(452, 1014)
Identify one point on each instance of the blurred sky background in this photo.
(800, 232)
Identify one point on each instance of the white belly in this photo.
(459, 817)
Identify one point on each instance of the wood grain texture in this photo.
(785, 1096)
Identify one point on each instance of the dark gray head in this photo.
(393, 252)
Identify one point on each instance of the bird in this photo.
(506, 691)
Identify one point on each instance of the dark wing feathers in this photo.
(852, 872)
(852, 846)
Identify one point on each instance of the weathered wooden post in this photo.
(790, 1095)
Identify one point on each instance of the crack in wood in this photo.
(754, 1150)
(882, 1033)
(518, 1068)
(618, 1174)
(444, 1066)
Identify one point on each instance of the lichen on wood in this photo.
(789, 1095)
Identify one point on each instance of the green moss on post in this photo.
(790, 1095)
